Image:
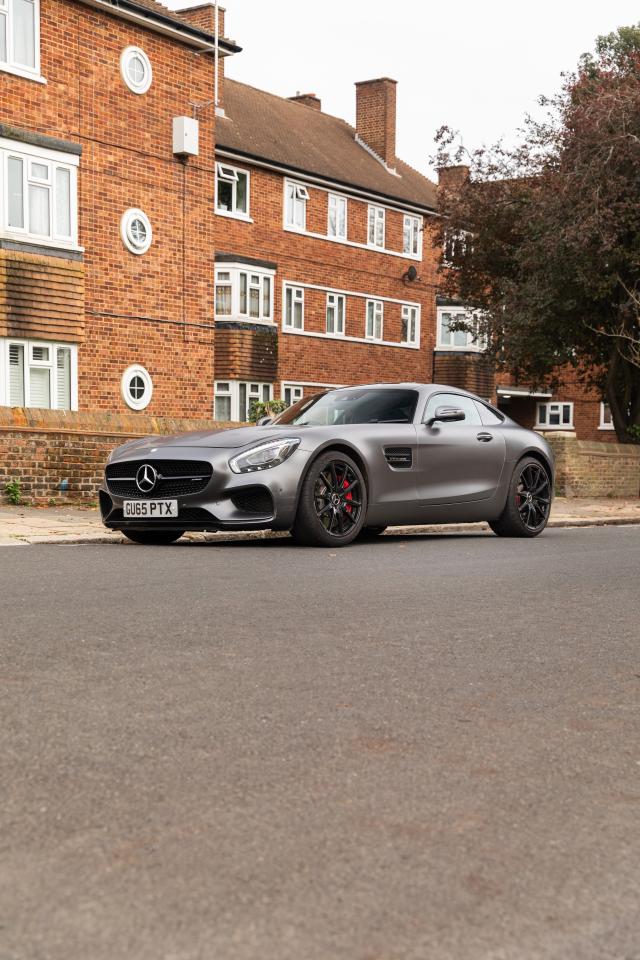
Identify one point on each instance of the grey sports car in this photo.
(337, 465)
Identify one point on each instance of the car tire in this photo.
(155, 537)
(370, 533)
(526, 512)
(333, 502)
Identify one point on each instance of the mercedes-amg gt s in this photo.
(337, 465)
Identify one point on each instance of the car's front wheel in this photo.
(528, 502)
(333, 502)
(153, 536)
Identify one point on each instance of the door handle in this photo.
(484, 437)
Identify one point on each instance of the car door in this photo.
(460, 461)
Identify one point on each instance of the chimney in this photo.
(453, 178)
(376, 117)
(308, 100)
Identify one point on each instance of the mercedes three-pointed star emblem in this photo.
(146, 478)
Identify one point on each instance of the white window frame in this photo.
(127, 55)
(254, 391)
(413, 226)
(297, 296)
(410, 313)
(471, 345)
(549, 406)
(305, 387)
(376, 216)
(604, 424)
(51, 364)
(136, 370)
(11, 65)
(337, 200)
(54, 160)
(299, 198)
(338, 303)
(229, 173)
(377, 320)
(126, 222)
(266, 277)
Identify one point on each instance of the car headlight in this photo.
(264, 456)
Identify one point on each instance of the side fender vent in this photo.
(401, 458)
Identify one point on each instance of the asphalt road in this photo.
(425, 748)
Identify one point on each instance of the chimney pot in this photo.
(376, 117)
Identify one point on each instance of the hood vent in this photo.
(399, 457)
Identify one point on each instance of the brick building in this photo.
(288, 251)
(106, 252)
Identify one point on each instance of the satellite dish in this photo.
(411, 274)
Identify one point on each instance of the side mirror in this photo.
(446, 415)
(263, 421)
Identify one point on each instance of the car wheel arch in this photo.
(340, 447)
(540, 457)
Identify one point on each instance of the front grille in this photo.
(253, 500)
(185, 515)
(176, 478)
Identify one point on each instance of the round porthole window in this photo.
(137, 387)
(136, 232)
(135, 68)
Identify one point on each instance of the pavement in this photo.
(20, 525)
(422, 748)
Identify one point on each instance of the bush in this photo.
(270, 408)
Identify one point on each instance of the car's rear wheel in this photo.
(153, 536)
(526, 512)
(333, 502)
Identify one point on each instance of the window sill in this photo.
(234, 216)
(247, 321)
(351, 243)
(546, 427)
(468, 349)
(343, 338)
(24, 74)
(607, 428)
(10, 241)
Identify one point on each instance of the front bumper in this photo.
(263, 500)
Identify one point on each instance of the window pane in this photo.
(16, 195)
(297, 315)
(222, 408)
(39, 215)
(39, 171)
(254, 302)
(333, 217)
(223, 301)
(288, 313)
(243, 293)
(16, 375)
(460, 338)
(265, 393)
(24, 33)
(566, 413)
(63, 386)
(225, 195)
(542, 413)
(330, 315)
(39, 387)
(266, 297)
(63, 202)
(241, 193)
(242, 390)
(554, 416)
(3, 37)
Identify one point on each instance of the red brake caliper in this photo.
(348, 496)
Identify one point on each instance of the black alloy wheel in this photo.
(528, 505)
(333, 502)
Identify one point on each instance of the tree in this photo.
(552, 261)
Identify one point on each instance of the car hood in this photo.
(224, 439)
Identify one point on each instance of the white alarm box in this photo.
(185, 136)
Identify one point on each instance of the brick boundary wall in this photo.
(591, 468)
(59, 456)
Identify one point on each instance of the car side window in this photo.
(471, 415)
(488, 417)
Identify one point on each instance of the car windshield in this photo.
(369, 405)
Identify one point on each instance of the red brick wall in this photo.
(325, 263)
(156, 309)
(376, 116)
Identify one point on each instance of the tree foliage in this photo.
(553, 261)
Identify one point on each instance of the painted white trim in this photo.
(233, 213)
(338, 196)
(603, 425)
(233, 393)
(134, 213)
(25, 74)
(56, 156)
(351, 293)
(329, 185)
(310, 383)
(53, 159)
(371, 244)
(136, 370)
(352, 243)
(21, 69)
(554, 426)
(235, 268)
(126, 56)
(469, 347)
(374, 303)
(51, 365)
(516, 392)
(342, 339)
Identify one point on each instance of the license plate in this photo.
(150, 509)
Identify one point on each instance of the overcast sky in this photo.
(478, 67)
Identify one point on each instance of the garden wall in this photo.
(589, 468)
